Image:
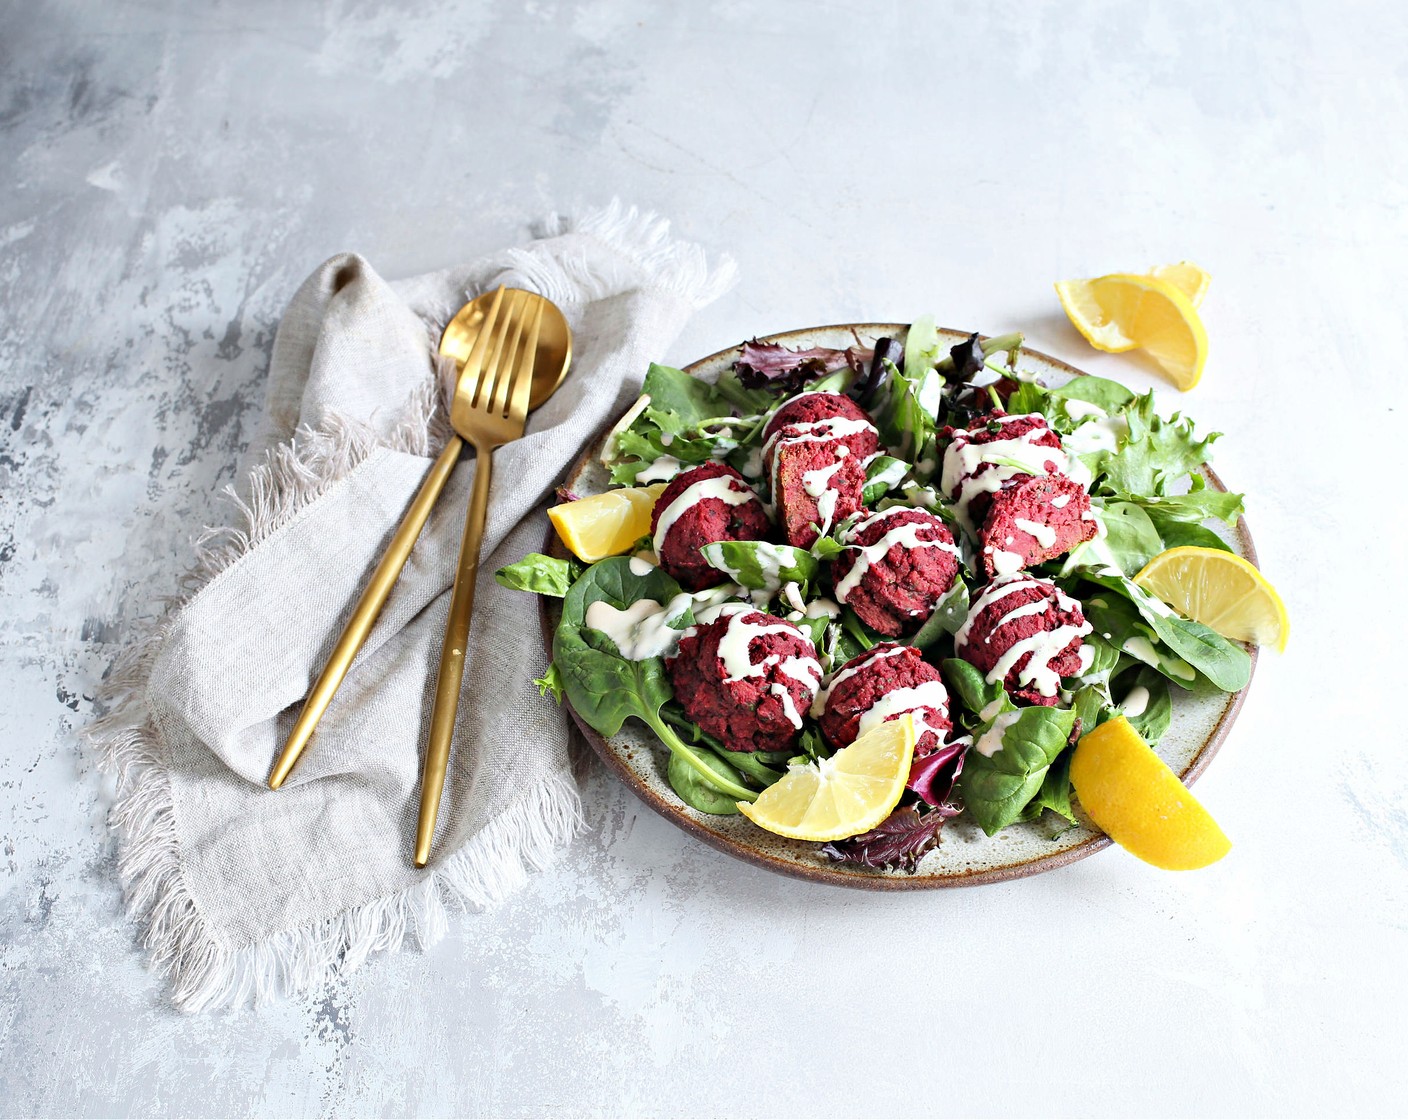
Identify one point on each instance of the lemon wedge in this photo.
(1187, 277)
(606, 524)
(844, 795)
(1120, 312)
(1129, 791)
(1220, 590)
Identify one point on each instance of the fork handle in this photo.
(452, 654)
(368, 608)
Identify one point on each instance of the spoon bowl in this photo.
(554, 352)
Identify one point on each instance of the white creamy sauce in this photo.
(818, 482)
(1140, 647)
(1005, 459)
(1005, 563)
(930, 694)
(753, 466)
(1079, 410)
(931, 393)
(889, 475)
(822, 608)
(990, 710)
(666, 438)
(641, 566)
(723, 487)
(906, 535)
(1136, 703)
(990, 741)
(640, 631)
(792, 596)
(819, 704)
(1059, 501)
(1045, 535)
(662, 470)
(1101, 434)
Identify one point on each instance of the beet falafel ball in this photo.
(900, 563)
(824, 416)
(882, 684)
(817, 445)
(1013, 489)
(709, 503)
(1034, 520)
(815, 485)
(1025, 632)
(746, 677)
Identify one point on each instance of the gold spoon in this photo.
(554, 355)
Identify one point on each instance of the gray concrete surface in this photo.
(169, 172)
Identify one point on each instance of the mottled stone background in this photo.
(169, 171)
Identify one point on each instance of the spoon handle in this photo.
(368, 608)
(452, 654)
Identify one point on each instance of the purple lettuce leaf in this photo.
(897, 843)
(932, 777)
(770, 365)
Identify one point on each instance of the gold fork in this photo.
(488, 414)
(383, 579)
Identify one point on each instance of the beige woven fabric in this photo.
(247, 891)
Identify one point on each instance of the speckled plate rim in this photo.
(860, 878)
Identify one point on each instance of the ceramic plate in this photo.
(965, 856)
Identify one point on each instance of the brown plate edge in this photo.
(861, 879)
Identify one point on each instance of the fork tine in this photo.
(523, 374)
(508, 362)
(489, 372)
(474, 363)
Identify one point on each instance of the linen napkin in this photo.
(242, 891)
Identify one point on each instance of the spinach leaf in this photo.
(1176, 533)
(1106, 657)
(1008, 762)
(863, 635)
(1223, 662)
(1131, 538)
(1099, 391)
(813, 746)
(1091, 706)
(760, 565)
(607, 689)
(1199, 504)
(983, 700)
(1055, 792)
(542, 575)
(881, 476)
(1119, 624)
(1157, 713)
(698, 793)
(950, 613)
(758, 766)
